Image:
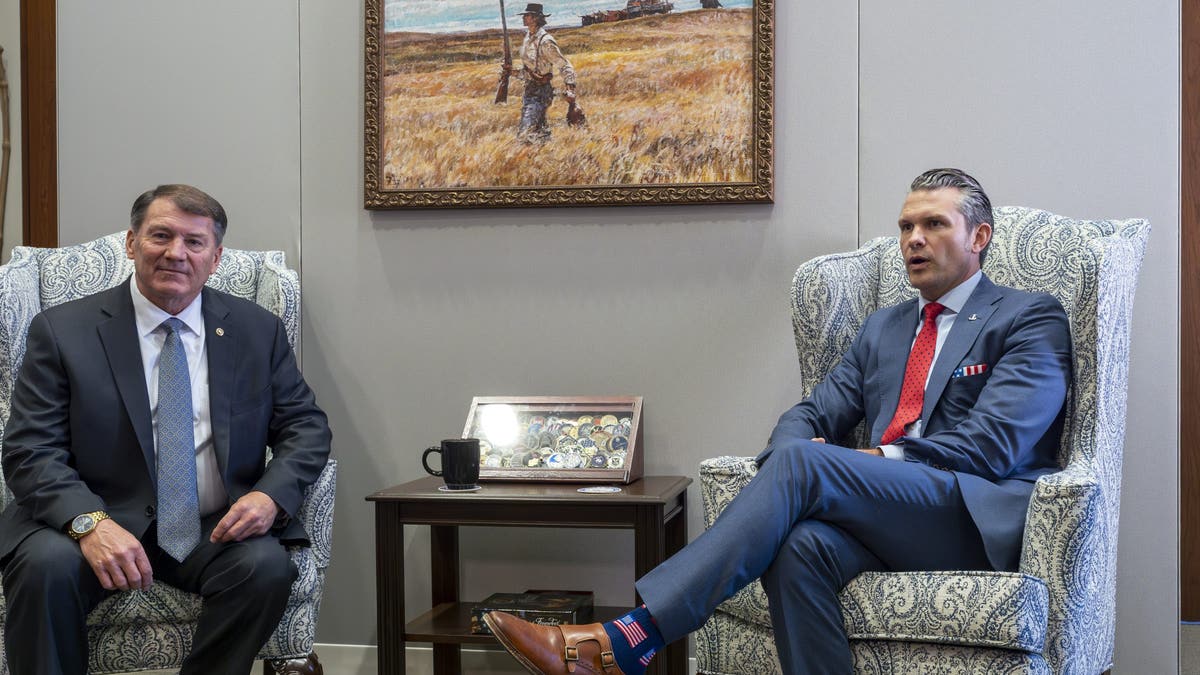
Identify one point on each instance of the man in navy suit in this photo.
(84, 452)
(963, 393)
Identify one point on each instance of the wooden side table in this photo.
(655, 508)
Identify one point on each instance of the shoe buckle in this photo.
(607, 660)
(571, 653)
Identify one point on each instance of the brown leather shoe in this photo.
(555, 650)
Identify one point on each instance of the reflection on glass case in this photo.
(575, 439)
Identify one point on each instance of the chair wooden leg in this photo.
(309, 665)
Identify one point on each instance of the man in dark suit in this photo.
(136, 451)
(962, 391)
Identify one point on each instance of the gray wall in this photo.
(410, 314)
(180, 92)
(10, 40)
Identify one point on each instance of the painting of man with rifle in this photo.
(540, 57)
(679, 102)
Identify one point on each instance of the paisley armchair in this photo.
(1056, 614)
(152, 629)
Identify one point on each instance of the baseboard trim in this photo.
(363, 660)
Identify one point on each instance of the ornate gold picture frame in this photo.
(610, 102)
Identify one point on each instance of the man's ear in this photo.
(217, 258)
(982, 235)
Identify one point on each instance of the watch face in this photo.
(83, 524)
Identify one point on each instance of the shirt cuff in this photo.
(893, 451)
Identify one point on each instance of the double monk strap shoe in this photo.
(555, 650)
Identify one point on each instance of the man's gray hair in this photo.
(973, 202)
(186, 198)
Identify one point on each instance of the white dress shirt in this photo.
(210, 487)
(953, 301)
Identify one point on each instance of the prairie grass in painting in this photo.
(669, 100)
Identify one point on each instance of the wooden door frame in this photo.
(39, 122)
(1189, 335)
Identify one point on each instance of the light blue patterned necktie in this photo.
(178, 503)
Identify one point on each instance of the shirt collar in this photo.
(956, 297)
(149, 316)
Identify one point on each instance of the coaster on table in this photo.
(446, 488)
(599, 490)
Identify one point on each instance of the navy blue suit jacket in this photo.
(997, 430)
(80, 439)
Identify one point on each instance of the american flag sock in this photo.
(634, 639)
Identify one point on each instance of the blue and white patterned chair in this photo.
(146, 630)
(1057, 613)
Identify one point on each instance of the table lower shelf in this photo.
(450, 623)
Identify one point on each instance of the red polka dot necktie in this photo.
(912, 394)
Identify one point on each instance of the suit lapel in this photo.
(221, 342)
(122, 347)
(896, 343)
(966, 329)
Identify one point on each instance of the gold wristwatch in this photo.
(84, 523)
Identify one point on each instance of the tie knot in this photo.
(932, 310)
(172, 325)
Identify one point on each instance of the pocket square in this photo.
(967, 371)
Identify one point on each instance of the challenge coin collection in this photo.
(589, 441)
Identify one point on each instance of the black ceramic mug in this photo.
(460, 462)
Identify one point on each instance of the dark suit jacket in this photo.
(79, 437)
(997, 431)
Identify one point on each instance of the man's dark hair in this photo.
(541, 20)
(973, 202)
(185, 198)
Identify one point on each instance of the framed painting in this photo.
(500, 103)
(571, 439)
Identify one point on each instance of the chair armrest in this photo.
(1069, 545)
(316, 514)
(1060, 509)
(721, 479)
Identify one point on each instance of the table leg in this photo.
(649, 551)
(444, 566)
(389, 581)
(676, 538)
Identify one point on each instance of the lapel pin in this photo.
(973, 317)
(221, 331)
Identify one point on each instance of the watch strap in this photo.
(96, 516)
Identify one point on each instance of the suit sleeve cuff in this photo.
(893, 451)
